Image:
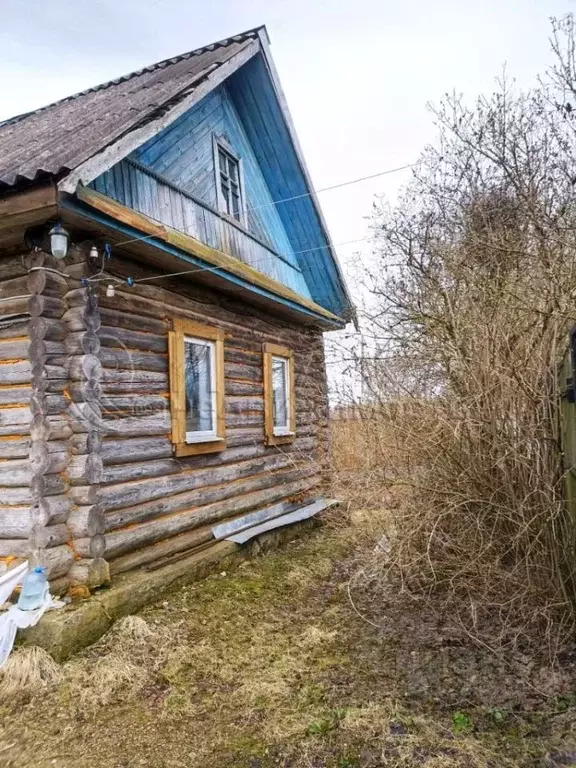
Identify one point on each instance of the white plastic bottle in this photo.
(33, 589)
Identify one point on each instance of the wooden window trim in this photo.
(184, 328)
(268, 352)
(217, 142)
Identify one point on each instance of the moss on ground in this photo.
(270, 666)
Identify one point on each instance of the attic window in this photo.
(229, 180)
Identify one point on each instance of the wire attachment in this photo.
(110, 291)
(130, 281)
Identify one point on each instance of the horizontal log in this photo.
(241, 404)
(17, 496)
(14, 349)
(47, 485)
(84, 417)
(149, 554)
(17, 307)
(123, 338)
(232, 355)
(56, 560)
(243, 372)
(135, 387)
(139, 470)
(47, 372)
(13, 447)
(233, 387)
(19, 522)
(15, 548)
(137, 492)
(44, 428)
(171, 505)
(83, 495)
(80, 367)
(44, 537)
(134, 406)
(112, 318)
(82, 343)
(120, 542)
(86, 442)
(85, 391)
(45, 306)
(47, 283)
(15, 415)
(91, 572)
(13, 327)
(41, 460)
(94, 546)
(137, 426)
(128, 360)
(55, 508)
(47, 329)
(15, 395)
(16, 372)
(81, 297)
(11, 267)
(81, 319)
(84, 469)
(17, 286)
(244, 436)
(134, 449)
(86, 521)
(48, 405)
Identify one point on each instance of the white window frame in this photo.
(203, 436)
(278, 434)
(219, 143)
(283, 429)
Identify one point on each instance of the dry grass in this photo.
(271, 667)
(28, 671)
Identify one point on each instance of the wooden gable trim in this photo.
(190, 245)
(101, 162)
(268, 352)
(276, 84)
(184, 328)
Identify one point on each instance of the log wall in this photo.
(89, 480)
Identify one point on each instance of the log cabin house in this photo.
(166, 277)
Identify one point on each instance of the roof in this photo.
(54, 140)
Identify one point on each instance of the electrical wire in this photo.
(130, 281)
(313, 193)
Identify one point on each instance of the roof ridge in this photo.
(249, 33)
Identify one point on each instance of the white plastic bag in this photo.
(14, 618)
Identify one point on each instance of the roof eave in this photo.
(102, 161)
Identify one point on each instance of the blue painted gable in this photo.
(183, 154)
(172, 177)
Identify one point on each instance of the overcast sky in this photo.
(357, 73)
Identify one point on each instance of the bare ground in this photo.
(272, 665)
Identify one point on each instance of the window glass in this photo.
(229, 168)
(200, 391)
(280, 392)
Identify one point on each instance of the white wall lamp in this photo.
(59, 241)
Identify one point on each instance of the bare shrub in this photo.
(473, 288)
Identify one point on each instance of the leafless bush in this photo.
(473, 287)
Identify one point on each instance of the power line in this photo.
(313, 193)
(130, 281)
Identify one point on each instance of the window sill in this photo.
(202, 439)
(211, 445)
(280, 438)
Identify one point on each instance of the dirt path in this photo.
(271, 666)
